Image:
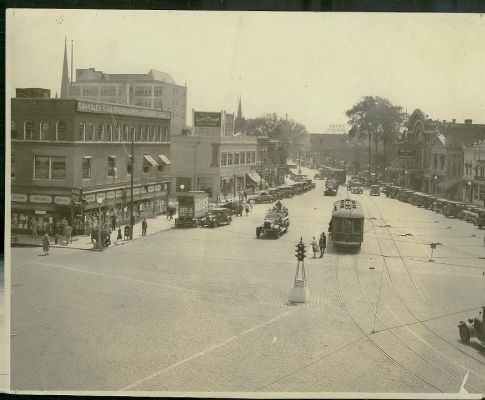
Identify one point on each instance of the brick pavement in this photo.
(155, 225)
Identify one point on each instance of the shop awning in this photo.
(164, 159)
(150, 159)
(447, 183)
(254, 176)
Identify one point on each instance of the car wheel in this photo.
(464, 333)
(229, 221)
(215, 224)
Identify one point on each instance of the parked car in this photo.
(264, 197)
(234, 207)
(216, 217)
(357, 190)
(375, 190)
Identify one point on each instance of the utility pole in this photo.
(368, 173)
(132, 162)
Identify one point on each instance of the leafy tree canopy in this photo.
(275, 127)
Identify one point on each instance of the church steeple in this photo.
(65, 75)
(239, 118)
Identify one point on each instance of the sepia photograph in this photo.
(244, 204)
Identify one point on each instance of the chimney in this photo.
(454, 120)
(444, 121)
(468, 121)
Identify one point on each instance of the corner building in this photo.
(68, 154)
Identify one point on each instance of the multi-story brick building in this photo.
(67, 154)
(473, 179)
(154, 89)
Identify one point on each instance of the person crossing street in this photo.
(322, 243)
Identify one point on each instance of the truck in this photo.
(276, 222)
(191, 207)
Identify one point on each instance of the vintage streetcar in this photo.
(347, 224)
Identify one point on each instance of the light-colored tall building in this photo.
(154, 89)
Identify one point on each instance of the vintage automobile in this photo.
(375, 190)
(438, 206)
(481, 219)
(263, 197)
(276, 222)
(310, 184)
(215, 217)
(473, 328)
(275, 192)
(357, 190)
(330, 191)
(453, 208)
(286, 191)
(235, 207)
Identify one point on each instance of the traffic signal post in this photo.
(299, 292)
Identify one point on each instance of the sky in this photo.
(311, 66)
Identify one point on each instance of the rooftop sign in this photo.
(120, 109)
(207, 119)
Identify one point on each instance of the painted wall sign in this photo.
(62, 200)
(151, 189)
(158, 188)
(37, 198)
(119, 109)
(21, 198)
(119, 193)
(110, 194)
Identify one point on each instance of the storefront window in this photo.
(58, 167)
(236, 158)
(82, 131)
(41, 167)
(224, 159)
(86, 167)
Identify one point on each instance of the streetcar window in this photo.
(337, 225)
(357, 226)
(347, 226)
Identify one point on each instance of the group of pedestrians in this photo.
(319, 246)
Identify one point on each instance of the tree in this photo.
(274, 127)
(378, 118)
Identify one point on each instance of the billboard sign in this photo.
(207, 119)
(406, 152)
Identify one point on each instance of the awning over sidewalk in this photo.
(254, 176)
(150, 160)
(448, 183)
(163, 158)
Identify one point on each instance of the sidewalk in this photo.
(155, 225)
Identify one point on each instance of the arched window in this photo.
(99, 132)
(82, 131)
(61, 130)
(90, 132)
(28, 130)
(45, 130)
(13, 130)
(108, 133)
(146, 133)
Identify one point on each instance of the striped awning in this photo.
(150, 159)
(164, 159)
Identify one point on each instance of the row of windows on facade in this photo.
(247, 157)
(90, 132)
(112, 91)
(54, 167)
(478, 171)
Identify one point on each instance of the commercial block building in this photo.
(473, 180)
(154, 89)
(67, 154)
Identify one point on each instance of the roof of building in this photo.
(152, 75)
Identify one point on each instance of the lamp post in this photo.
(469, 184)
(99, 245)
(434, 186)
(182, 187)
(235, 184)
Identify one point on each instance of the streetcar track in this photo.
(389, 329)
(423, 297)
(369, 337)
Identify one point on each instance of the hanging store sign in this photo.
(158, 188)
(207, 119)
(37, 198)
(110, 195)
(119, 109)
(90, 197)
(21, 198)
(151, 189)
(100, 196)
(62, 200)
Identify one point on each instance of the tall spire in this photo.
(65, 74)
(239, 118)
(239, 110)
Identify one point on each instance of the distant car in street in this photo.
(357, 190)
(216, 217)
(375, 190)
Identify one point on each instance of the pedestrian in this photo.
(68, 232)
(119, 237)
(314, 247)
(170, 213)
(46, 244)
(246, 208)
(144, 226)
(34, 227)
(323, 244)
(251, 204)
(127, 232)
(113, 222)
